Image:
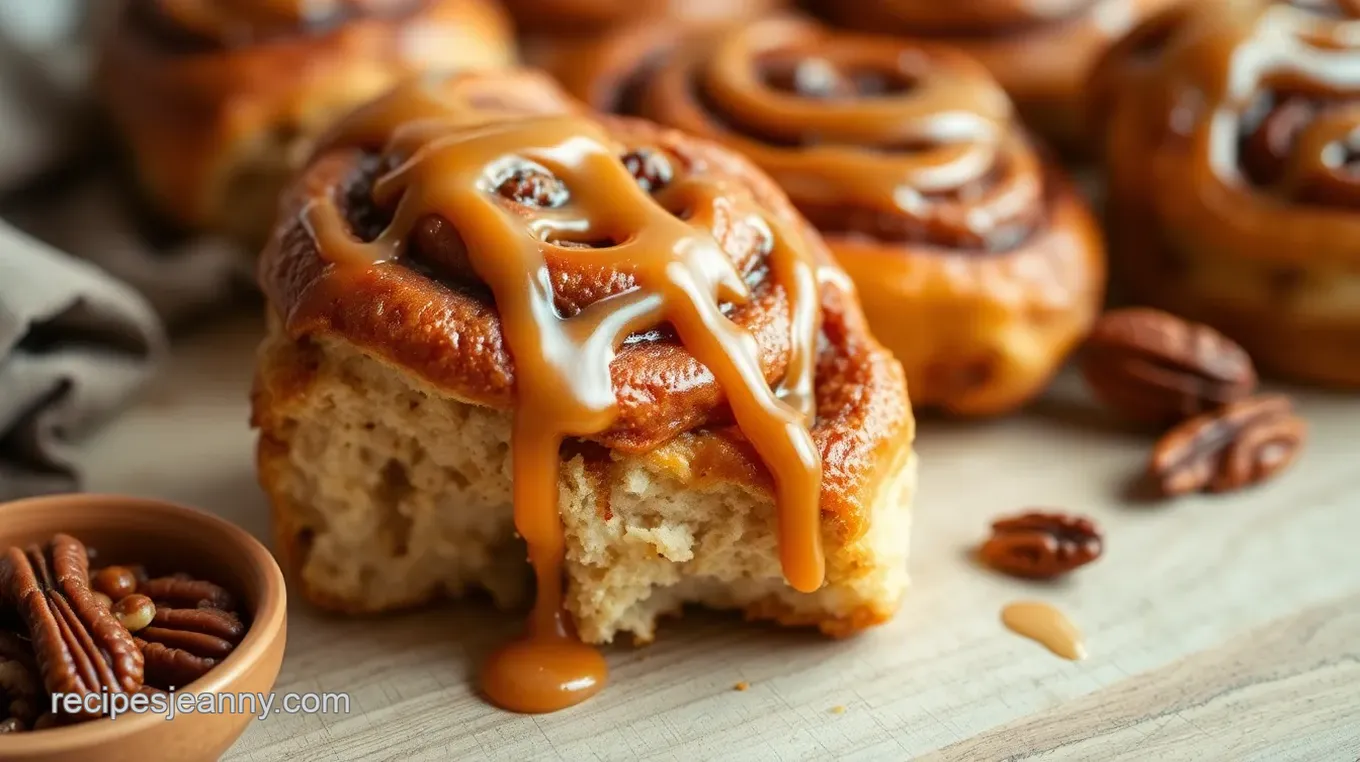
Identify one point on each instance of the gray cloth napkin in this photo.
(74, 344)
(49, 139)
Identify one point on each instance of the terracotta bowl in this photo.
(129, 529)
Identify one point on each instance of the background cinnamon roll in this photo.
(1232, 132)
(1041, 53)
(460, 283)
(576, 17)
(213, 97)
(976, 262)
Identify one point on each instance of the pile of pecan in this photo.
(113, 631)
(1200, 386)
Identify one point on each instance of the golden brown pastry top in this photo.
(901, 141)
(196, 87)
(374, 243)
(1252, 109)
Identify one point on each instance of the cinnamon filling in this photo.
(499, 202)
(900, 142)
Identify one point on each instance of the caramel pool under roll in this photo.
(492, 313)
(215, 99)
(1231, 142)
(977, 263)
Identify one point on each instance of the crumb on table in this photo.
(742, 685)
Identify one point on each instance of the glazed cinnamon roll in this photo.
(1232, 136)
(493, 314)
(1041, 53)
(576, 17)
(215, 97)
(976, 262)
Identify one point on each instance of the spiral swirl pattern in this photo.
(901, 141)
(974, 260)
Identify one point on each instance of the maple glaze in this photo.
(1047, 626)
(454, 161)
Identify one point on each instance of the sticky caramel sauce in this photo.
(450, 162)
(1047, 626)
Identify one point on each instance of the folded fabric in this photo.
(89, 217)
(74, 344)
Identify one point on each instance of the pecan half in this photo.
(181, 645)
(1156, 368)
(184, 592)
(79, 646)
(1242, 444)
(20, 688)
(1041, 545)
(169, 668)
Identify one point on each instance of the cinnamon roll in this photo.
(493, 314)
(1041, 53)
(214, 98)
(577, 17)
(976, 262)
(1232, 137)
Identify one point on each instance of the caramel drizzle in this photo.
(940, 148)
(451, 167)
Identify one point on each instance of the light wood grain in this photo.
(1284, 692)
(1219, 628)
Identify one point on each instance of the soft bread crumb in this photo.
(388, 493)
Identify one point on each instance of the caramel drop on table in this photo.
(1047, 626)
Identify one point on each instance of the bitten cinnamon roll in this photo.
(213, 97)
(976, 262)
(1232, 137)
(1041, 52)
(493, 316)
(576, 17)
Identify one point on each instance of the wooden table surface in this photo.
(1219, 628)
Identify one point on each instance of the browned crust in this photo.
(1281, 343)
(187, 115)
(1049, 289)
(451, 339)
